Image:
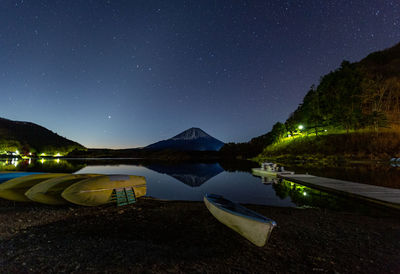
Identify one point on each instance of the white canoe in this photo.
(253, 226)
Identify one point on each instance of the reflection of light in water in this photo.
(57, 161)
(29, 161)
(42, 160)
(14, 161)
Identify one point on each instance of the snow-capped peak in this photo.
(191, 134)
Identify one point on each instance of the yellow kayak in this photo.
(15, 189)
(49, 191)
(97, 191)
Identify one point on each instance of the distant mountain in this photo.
(190, 174)
(193, 139)
(29, 137)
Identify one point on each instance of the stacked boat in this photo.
(62, 188)
(395, 162)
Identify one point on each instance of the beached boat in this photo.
(49, 191)
(8, 175)
(15, 189)
(98, 190)
(253, 226)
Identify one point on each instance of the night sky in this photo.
(129, 73)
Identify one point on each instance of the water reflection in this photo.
(267, 180)
(191, 174)
(191, 180)
(42, 165)
(304, 196)
(380, 174)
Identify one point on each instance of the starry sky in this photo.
(124, 74)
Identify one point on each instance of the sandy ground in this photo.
(183, 237)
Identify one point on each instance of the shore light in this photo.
(301, 127)
(58, 155)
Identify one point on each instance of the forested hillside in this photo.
(31, 138)
(362, 97)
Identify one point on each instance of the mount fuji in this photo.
(193, 139)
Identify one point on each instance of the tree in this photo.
(278, 131)
(339, 97)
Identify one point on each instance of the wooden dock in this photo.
(380, 195)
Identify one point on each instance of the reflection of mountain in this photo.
(193, 175)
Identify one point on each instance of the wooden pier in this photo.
(389, 197)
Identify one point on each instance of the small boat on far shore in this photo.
(253, 226)
(271, 169)
(263, 172)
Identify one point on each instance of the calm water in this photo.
(190, 181)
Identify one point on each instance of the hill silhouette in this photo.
(29, 137)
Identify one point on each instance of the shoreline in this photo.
(181, 237)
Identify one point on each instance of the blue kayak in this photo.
(8, 176)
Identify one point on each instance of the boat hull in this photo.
(254, 230)
(97, 191)
(266, 173)
(6, 176)
(49, 191)
(15, 189)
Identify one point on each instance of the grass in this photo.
(355, 145)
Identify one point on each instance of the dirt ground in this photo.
(165, 236)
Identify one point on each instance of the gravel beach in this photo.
(183, 237)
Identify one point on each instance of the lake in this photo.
(234, 180)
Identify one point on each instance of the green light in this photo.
(305, 193)
(43, 154)
(301, 127)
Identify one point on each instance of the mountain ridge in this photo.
(28, 137)
(192, 139)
